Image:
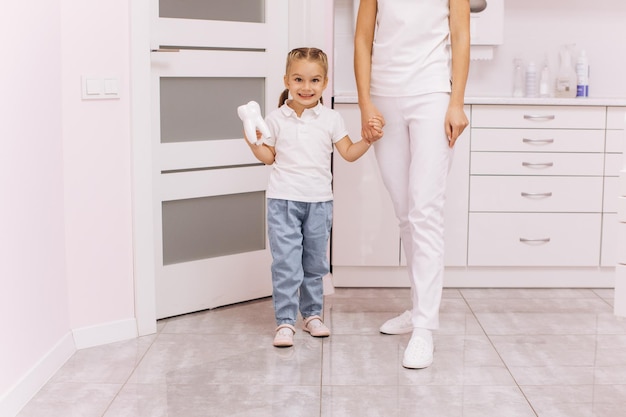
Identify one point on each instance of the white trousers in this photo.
(414, 159)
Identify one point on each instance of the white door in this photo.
(207, 59)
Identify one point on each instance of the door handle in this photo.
(530, 241)
(537, 165)
(538, 117)
(531, 195)
(165, 50)
(538, 141)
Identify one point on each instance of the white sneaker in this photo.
(418, 354)
(398, 325)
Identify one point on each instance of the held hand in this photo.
(372, 123)
(456, 122)
(376, 124)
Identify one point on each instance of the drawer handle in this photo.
(538, 164)
(533, 195)
(538, 141)
(531, 241)
(538, 117)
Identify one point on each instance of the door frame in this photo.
(306, 18)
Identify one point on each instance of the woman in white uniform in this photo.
(406, 72)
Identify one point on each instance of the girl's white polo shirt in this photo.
(304, 145)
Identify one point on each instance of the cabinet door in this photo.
(534, 239)
(365, 230)
(537, 163)
(536, 194)
(539, 117)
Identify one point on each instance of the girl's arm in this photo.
(456, 120)
(263, 152)
(363, 41)
(352, 151)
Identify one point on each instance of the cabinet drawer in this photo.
(611, 194)
(534, 239)
(615, 141)
(610, 227)
(614, 163)
(536, 163)
(561, 117)
(538, 194)
(616, 118)
(537, 140)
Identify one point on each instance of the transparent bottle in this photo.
(518, 78)
(531, 80)
(544, 81)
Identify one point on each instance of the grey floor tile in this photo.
(255, 317)
(499, 324)
(539, 305)
(546, 350)
(198, 359)
(498, 352)
(71, 399)
(107, 364)
(528, 293)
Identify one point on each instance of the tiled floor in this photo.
(499, 353)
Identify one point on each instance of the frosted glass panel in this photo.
(229, 10)
(205, 108)
(209, 227)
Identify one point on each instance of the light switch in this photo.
(110, 86)
(93, 86)
(100, 88)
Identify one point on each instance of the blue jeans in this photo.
(298, 236)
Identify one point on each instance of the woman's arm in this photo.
(456, 120)
(363, 41)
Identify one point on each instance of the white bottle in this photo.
(531, 80)
(565, 82)
(582, 74)
(544, 81)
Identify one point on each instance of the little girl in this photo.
(299, 193)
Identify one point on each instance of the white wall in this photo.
(96, 140)
(34, 314)
(533, 29)
(65, 219)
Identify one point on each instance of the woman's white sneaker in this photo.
(418, 353)
(398, 325)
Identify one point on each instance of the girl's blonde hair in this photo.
(310, 54)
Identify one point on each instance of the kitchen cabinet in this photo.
(536, 195)
(614, 162)
(365, 230)
(531, 202)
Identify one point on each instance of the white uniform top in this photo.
(301, 169)
(409, 55)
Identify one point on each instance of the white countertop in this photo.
(550, 101)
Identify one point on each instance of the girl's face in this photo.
(306, 82)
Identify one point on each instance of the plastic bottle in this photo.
(531, 80)
(544, 81)
(566, 77)
(582, 74)
(518, 78)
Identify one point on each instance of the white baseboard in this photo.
(480, 277)
(21, 393)
(103, 334)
